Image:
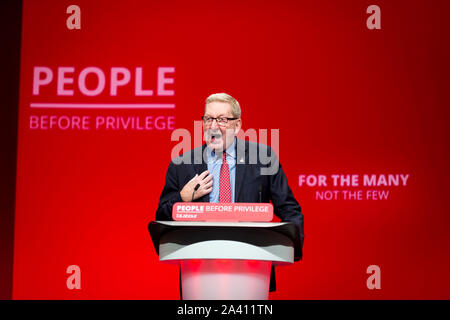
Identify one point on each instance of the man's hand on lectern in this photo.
(205, 180)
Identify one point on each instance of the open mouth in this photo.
(215, 136)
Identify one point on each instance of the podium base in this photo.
(225, 279)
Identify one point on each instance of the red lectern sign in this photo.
(206, 211)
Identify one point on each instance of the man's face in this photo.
(220, 136)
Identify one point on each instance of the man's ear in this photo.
(238, 126)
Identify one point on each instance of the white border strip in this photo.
(103, 105)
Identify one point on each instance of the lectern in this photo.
(225, 260)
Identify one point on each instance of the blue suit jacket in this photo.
(251, 185)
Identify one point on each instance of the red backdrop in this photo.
(346, 100)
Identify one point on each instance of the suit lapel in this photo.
(241, 160)
(200, 165)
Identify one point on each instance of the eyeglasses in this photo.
(221, 121)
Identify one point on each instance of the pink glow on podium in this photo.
(219, 279)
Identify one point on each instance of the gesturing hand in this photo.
(205, 180)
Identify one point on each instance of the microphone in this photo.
(260, 192)
(195, 189)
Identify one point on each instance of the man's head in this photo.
(221, 121)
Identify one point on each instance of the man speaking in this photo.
(228, 169)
